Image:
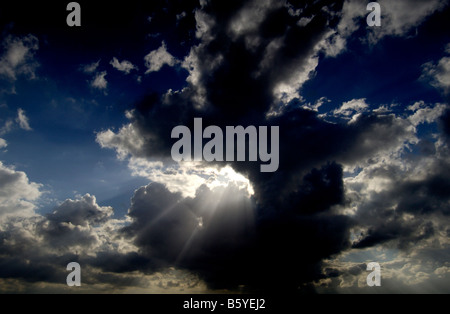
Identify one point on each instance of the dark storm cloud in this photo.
(276, 240)
(235, 245)
(25, 255)
(238, 80)
(294, 226)
(31, 272)
(118, 263)
(234, 71)
(164, 223)
(38, 249)
(425, 200)
(428, 196)
(309, 198)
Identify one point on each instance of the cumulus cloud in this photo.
(156, 59)
(400, 207)
(124, 66)
(35, 249)
(17, 193)
(18, 58)
(3, 143)
(398, 201)
(127, 140)
(72, 223)
(439, 73)
(83, 212)
(424, 113)
(403, 273)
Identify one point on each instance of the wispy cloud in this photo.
(99, 81)
(18, 58)
(3, 143)
(23, 120)
(90, 68)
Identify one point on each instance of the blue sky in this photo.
(66, 112)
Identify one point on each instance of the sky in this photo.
(87, 176)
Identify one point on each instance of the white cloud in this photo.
(3, 143)
(439, 74)
(401, 16)
(425, 114)
(352, 12)
(398, 19)
(315, 107)
(18, 58)
(187, 177)
(442, 271)
(127, 141)
(156, 59)
(374, 185)
(288, 88)
(99, 81)
(248, 19)
(124, 66)
(351, 108)
(22, 120)
(304, 21)
(204, 24)
(400, 272)
(9, 124)
(195, 66)
(17, 193)
(90, 68)
(333, 44)
(84, 211)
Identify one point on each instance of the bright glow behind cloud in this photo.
(187, 177)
